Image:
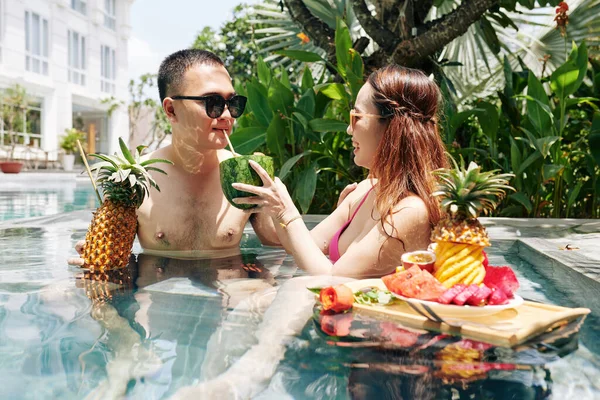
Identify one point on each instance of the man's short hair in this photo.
(174, 67)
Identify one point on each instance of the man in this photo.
(190, 216)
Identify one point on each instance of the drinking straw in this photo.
(230, 145)
(89, 171)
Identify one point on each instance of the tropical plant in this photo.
(402, 31)
(546, 131)
(143, 106)
(14, 103)
(233, 43)
(299, 126)
(469, 64)
(68, 142)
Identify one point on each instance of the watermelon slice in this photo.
(451, 293)
(498, 297)
(502, 277)
(463, 296)
(423, 286)
(393, 281)
(480, 297)
(414, 283)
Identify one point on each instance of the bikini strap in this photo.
(361, 203)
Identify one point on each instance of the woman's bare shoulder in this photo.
(412, 207)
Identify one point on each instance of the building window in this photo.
(77, 58)
(108, 69)
(79, 6)
(36, 43)
(110, 15)
(26, 125)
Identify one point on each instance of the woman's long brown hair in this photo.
(411, 147)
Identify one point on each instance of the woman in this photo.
(395, 135)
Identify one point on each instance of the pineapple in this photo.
(459, 236)
(125, 182)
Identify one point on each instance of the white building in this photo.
(69, 55)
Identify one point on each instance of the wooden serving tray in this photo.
(510, 327)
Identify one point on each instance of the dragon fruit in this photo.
(502, 277)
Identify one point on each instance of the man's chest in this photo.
(193, 217)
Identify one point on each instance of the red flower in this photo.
(562, 19)
(562, 7)
(336, 324)
(338, 298)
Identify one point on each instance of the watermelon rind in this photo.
(237, 169)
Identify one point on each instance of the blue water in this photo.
(44, 197)
(167, 324)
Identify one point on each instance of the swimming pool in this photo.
(171, 324)
(41, 195)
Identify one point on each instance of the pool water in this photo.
(163, 324)
(44, 197)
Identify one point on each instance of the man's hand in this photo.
(78, 261)
(347, 190)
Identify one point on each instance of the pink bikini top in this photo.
(334, 251)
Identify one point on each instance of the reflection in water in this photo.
(161, 325)
(45, 198)
(152, 347)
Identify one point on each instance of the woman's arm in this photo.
(265, 229)
(375, 254)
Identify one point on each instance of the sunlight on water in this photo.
(167, 324)
(43, 198)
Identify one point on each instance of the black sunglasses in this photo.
(215, 104)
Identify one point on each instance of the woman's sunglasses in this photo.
(354, 115)
(215, 104)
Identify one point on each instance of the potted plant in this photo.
(69, 144)
(14, 103)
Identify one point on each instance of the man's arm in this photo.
(265, 229)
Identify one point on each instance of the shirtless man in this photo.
(190, 216)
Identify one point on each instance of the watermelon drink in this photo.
(237, 169)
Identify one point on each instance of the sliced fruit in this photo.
(415, 283)
(485, 260)
(450, 294)
(480, 297)
(502, 277)
(393, 281)
(463, 296)
(498, 297)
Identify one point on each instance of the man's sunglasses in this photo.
(354, 115)
(215, 104)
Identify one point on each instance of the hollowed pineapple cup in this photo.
(237, 169)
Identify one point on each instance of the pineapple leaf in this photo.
(125, 151)
(138, 152)
(156, 169)
(469, 192)
(105, 158)
(155, 160)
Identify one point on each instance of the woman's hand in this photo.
(347, 190)
(272, 198)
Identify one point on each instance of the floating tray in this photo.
(509, 327)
